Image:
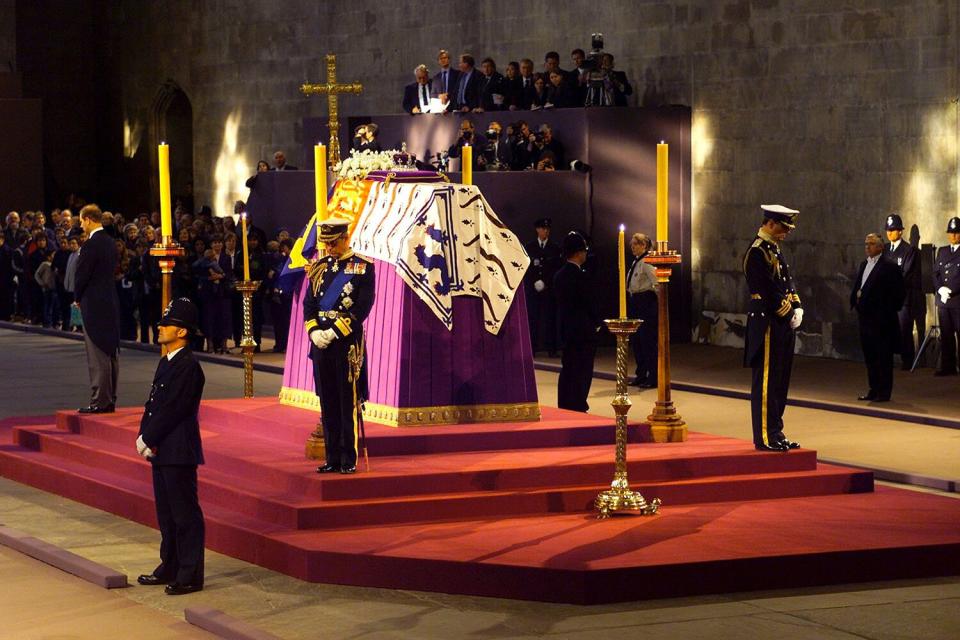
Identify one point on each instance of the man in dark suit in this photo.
(877, 296)
(477, 142)
(946, 278)
(170, 439)
(444, 85)
(579, 320)
(95, 292)
(416, 95)
(339, 299)
(280, 162)
(545, 261)
(469, 86)
(618, 80)
(773, 316)
(493, 87)
(914, 310)
(526, 84)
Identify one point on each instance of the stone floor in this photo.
(42, 374)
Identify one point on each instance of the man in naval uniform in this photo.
(914, 310)
(170, 439)
(773, 316)
(338, 300)
(545, 261)
(946, 279)
(579, 320)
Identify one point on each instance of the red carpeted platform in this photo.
(504, 509)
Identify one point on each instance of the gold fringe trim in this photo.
(424, 416)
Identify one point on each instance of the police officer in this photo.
(914, 311)
(170, 439)
(339, 298)
(579, 319)
(541, 306)
(946, 278)
(773, 316)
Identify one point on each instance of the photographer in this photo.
(498, 153)
(468, 136)
(365, 137)
(546, 146)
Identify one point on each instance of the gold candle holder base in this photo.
(619, 497)
(666, 425)
(316, 448)
(247, 343)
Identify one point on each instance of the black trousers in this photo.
(339, 403)
(643, 342)
(576, 375)
(182, 529)
(149, 311)
(949, 320)
(771, 382)
(878, 356)
(908, 319)
(542, 315)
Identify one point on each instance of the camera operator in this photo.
(468, 136)
(596, 79)
(548, 146)
(619, 84)
(365, 137)
(498, 153)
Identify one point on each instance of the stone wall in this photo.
(841, 109)
(8, 36)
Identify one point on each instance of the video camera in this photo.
(592, 61)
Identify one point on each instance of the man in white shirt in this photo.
(642, 305)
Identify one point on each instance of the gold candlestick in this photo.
(619, 497)
(666, 425)
(247, 344)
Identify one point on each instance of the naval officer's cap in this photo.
(780, 213)
(894, 223)
(332, 228)
(542, 223)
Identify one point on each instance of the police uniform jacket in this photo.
(96, 291)
(906, 257)
(340, 297)
(577, 311)
(773, 296)
(169, 424)
(544, 263)
(946, 273)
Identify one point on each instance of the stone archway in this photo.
(173, 124)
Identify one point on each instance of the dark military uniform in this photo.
(170, 428)
(770, 339)
(340, 297)
(914, 310)
(541, 305)
(946, 273)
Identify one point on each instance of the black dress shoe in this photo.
(328, 468)
(150, 580)
(772, 447)
(788, 444)
(107, 409)
(869, 396)
(348, 470)
(177, 589)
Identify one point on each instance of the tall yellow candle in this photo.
(623, 275)
(662, 192)
(246, 249)
(166, 219)
(466, 159)
(320, 179)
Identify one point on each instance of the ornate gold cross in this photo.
(332, 89)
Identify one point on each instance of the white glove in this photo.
(323, 338)
(145, 452)
(539, 286)
(796, 319)
(944, 293)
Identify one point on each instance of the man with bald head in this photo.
(877, 296)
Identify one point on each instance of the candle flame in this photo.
(662, 142)
(623, 227)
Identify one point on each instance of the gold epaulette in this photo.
(757, 244)
(315, 273)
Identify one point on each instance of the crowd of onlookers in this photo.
(593, 81)
(38, 258)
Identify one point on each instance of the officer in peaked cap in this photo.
(170, 439)
(545, 260)
(773, 316)
(946, 277)
(339, 298)
(579, 319)
(914, 310)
